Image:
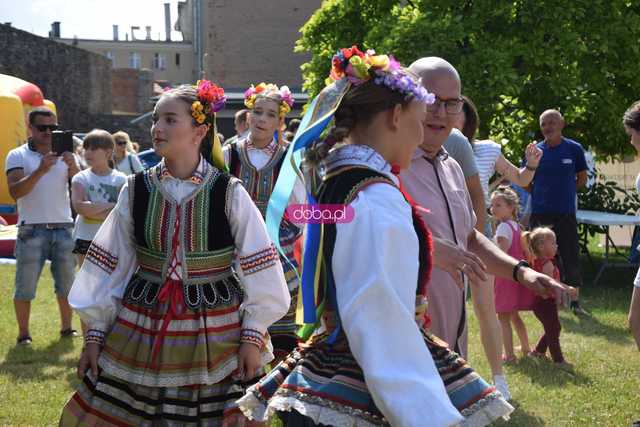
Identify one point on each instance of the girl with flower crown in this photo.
(175, 324)
(368, 360)
(256, 160)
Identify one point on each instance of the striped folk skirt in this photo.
(181, 378)
(109, 401)
(325, 384)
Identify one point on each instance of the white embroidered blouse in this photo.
(96, 293)
(375, 267)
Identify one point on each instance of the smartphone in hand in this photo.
(61, 141)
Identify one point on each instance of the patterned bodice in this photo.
(205, 235)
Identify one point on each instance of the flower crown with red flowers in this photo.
(269, 90)
(359, 67)
(210, 100)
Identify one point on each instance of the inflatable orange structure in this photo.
(17, 98)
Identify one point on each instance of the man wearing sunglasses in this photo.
(39, 182)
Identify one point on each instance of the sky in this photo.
(89, 19)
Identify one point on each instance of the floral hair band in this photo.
(210, 100)
(359, 67)
(269, 90)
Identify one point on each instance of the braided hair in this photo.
(359, 106)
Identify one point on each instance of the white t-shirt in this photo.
(486, 153)
(98, 189)
(503, 230)
(48, 202)
(125, 165)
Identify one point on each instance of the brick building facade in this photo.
(244, 41)
(168, 61)
(131, 90)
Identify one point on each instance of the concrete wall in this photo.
(77, 81)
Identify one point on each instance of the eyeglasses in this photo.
(451, 106)
(43, 128)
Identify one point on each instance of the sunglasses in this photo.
(121, 143)
(43, 128)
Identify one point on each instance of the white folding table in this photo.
(606, 220)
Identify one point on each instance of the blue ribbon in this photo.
(309, 263)
(319, 114)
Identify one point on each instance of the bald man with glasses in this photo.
(436, 182)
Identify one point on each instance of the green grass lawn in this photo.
(36, 381)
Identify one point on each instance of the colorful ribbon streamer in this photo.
(317, 118)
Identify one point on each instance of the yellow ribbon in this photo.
(217, 158)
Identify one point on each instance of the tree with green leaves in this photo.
(516, 58)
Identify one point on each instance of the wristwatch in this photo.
(531, 168)
(517, 267)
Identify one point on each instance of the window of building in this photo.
(159, 61)
(111, 58)
(177, 59)
(134, 60)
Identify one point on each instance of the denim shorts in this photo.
(34, 245)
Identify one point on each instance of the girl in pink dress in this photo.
(510, 297)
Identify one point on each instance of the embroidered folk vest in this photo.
(204, 236)
(259, 184)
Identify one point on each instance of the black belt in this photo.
(49, 225)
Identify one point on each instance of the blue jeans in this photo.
(34, 245)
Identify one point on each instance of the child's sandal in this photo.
(509, 359)
(536, 355)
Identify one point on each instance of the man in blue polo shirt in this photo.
(561, 172)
